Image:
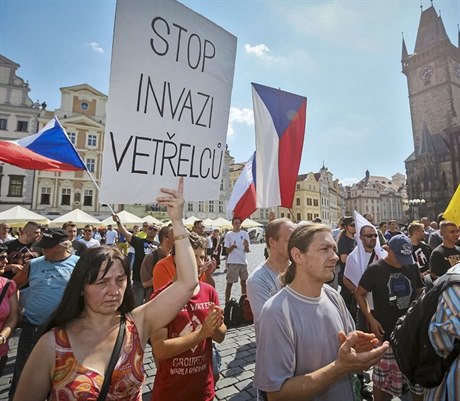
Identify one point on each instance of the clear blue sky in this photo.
(343, 55)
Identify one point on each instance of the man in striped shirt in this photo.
(444, 330)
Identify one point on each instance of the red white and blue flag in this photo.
(49, 149)
(279, 119)
(243, 198)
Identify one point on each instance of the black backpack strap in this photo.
(113, 360)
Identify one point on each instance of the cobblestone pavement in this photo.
(237, 351)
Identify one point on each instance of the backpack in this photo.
(246, 311)
(412, 347)
(232, 313)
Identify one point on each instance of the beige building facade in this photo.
(82, 114)
(18, 118)
(380, 196)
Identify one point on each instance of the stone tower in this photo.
(433, 80)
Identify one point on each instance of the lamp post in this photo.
(414, 204)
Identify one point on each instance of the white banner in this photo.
(169, 100)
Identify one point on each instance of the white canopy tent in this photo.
(188, 222)
(152, 220)
(209, 224)
(18, 216)
(78, 216)
(128, 219)
(248, 223)
(222, 223)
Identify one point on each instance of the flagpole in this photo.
(99, 189)
(292, 214)
(84, 164)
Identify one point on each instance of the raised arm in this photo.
(121, 228)
(160, 311)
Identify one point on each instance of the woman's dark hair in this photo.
(86, 272)
(301, 238)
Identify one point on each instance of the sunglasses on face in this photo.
(152, 228)
(370, 235)
(88, 231)
(351, 225)
(3, 257)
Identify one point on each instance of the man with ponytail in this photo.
(317, 348)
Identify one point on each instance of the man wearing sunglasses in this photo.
(88, 238)
(142, 247)
(358, 260)
(345, 245)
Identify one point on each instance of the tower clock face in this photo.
(426, 72)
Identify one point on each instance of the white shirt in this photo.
(110, 237)
(238, 254)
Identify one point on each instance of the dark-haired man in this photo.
(22, 249)
(142, 247)
(236, 244)
(420, 250)
(345, 245)
(78, 247)
(435, 238)
(394, 282)
(198, 227)
(166, 238)
(447, 254)
(393, 229)
(357, 262)
(88, 239)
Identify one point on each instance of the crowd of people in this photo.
(327, 299)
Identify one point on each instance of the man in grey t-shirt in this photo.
(307, 347)
(264, 282)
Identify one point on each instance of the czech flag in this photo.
(243, 198)
(279, 119)
(48, 149)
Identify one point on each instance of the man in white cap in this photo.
(394, 282)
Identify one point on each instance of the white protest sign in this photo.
(169, 100)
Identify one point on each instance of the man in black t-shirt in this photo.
(447, 254)
(21, 250)
(420, 250)
(345, 245)
(395, 282)
(142, 247)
